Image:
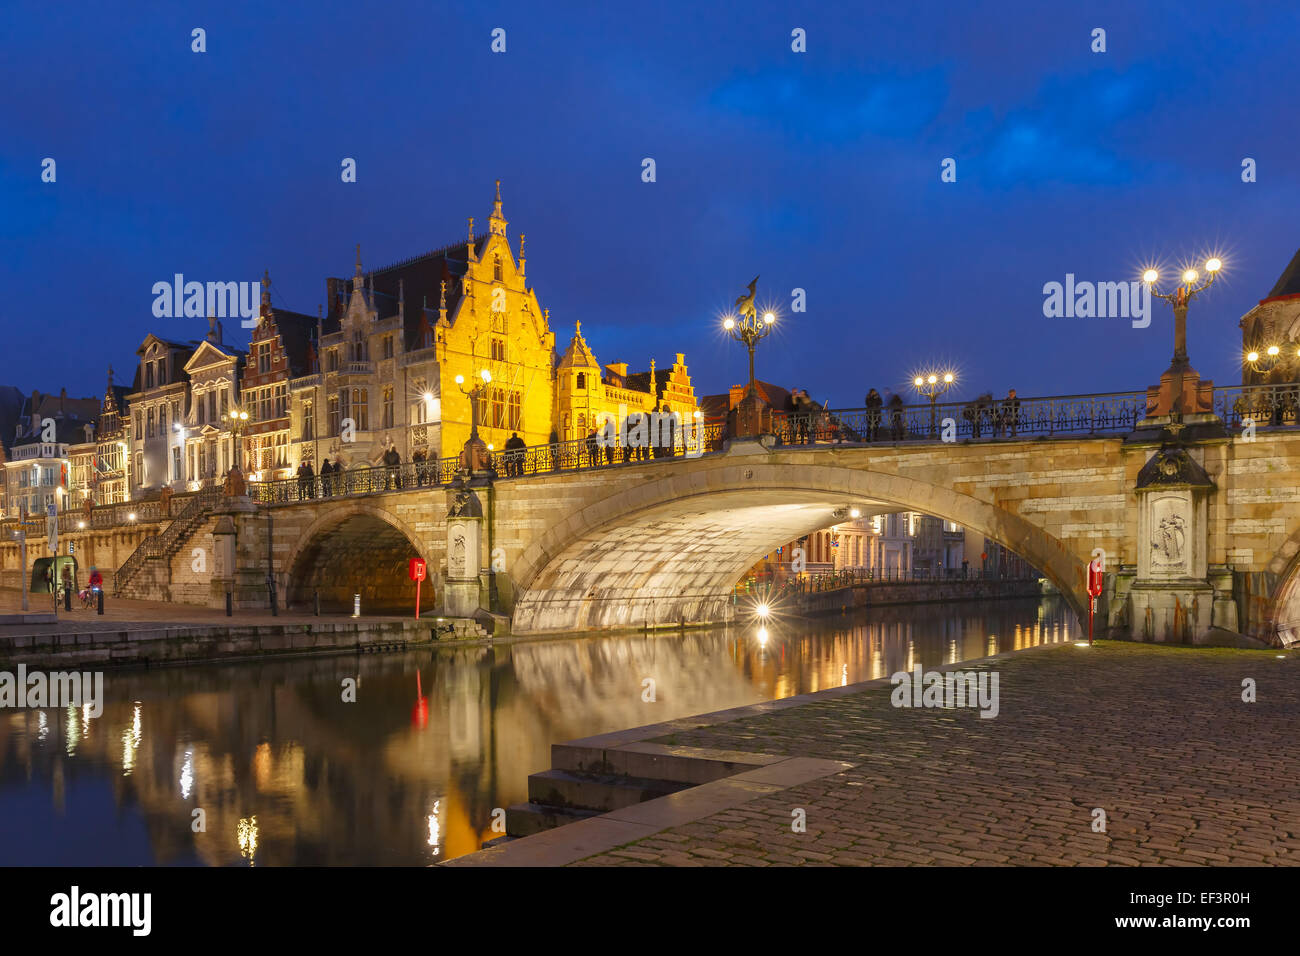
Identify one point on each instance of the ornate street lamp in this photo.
(475, 453)
(474, 395)
(1179, 298)
(1180, 370)
(932, 386)
(750, 329)
(236, 420)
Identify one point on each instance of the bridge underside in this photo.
(361, 554)
(671, 563)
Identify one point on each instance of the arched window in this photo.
(582, 381)
(496, 268)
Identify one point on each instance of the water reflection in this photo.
(286, 772)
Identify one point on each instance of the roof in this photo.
(297, 336)
(419, 279)
(579, 355)
(1288, 283)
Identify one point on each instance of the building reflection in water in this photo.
(273, 757)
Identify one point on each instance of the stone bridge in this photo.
(1200, 528)
(656, 543)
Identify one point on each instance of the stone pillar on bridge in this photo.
(1174, 597)
(464, 552)
(239, 562)
(753, 417)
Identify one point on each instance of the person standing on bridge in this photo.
(896, 416)
(593, 448)
(874, 403)
(326, 476)
(393, 460)
(515, 455)
(1011, 412)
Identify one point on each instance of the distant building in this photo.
(1275, 321)
(38, 463)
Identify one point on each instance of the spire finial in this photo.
(498, 221)
(577, 330)
(358, 258)
(266, 288)
(471, 230)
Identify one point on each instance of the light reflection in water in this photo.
(275, 758)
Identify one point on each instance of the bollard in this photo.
(230, 604)
(316, 593)
(67, 599)
(100, 602)
(356, 605)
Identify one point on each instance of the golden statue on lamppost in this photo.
(753, 415)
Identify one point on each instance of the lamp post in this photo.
(475, 447)
(1180, 368)
(750, 330)
(932, 386)
(236, 420)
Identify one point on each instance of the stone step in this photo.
(687, 765)
(599, 792)
(525, 819)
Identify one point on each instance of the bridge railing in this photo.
(1265, 405)
(1108, 413)
(513, 463)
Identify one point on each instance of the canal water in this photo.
(284, 771)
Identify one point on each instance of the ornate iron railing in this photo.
(515, 463)
(979, 419)
(1265, 405)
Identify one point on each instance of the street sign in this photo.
(417, 572)
(72, 547)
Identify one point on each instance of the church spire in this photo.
(357, 283)
(497, 223)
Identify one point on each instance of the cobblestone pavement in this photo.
(1158, 737)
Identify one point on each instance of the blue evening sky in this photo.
(816, 170)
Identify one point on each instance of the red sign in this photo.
(417, 570)
(1094, 578)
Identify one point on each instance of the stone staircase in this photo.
(170, 540)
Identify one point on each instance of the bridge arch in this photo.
(356, 547)
(672, 547)
(1282, 613)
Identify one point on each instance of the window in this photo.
(161, 375)
(582, 382)
(345, 404)
(308, 422)
(496, 268)
(498, 350)
(361, 409)
(388, 346)
(388, 403)
(264, 404)
(225, 401)
(358, 347)
(162, 420)
(332, 360)
(138, 477)
(212, 405)
(149, 423)
(148, 374)
(139, 425)
(176, 463)
(515, 412)
(203, 460)
(334, 415)
(282, 400)
(200, 407)
(264, 357)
